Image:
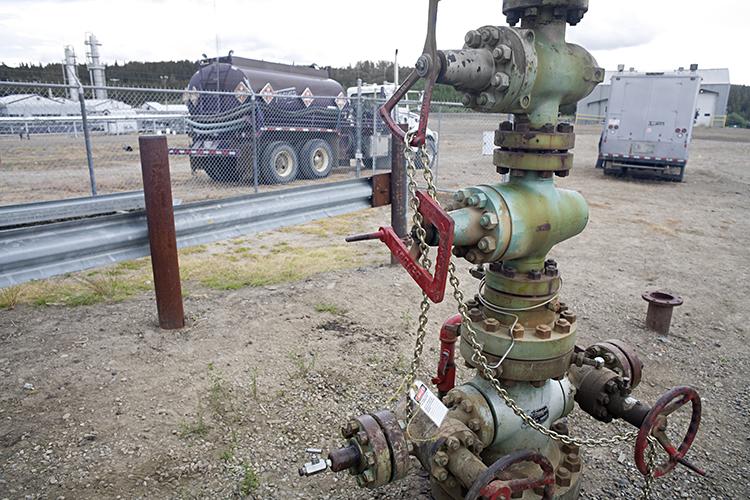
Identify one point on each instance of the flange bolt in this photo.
(488, 220)
(473, 39)
(543, 331)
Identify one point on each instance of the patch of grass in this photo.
(283, 264)
(227, 455)
(9, 297)
(218, 395)
(250, 480)
(197, 428)
(192, 250)
(302, 365)
(324, 307)
(133, 265)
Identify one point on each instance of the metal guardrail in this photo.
(72, 208)
(42, 251)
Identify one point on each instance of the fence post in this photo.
(254, 130)
(398, 187)
(358, 154)
(87, 139)
(157, 193)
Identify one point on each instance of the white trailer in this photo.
(649, 123)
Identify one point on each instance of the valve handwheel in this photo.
(489, 487)
(427, 67)
(655, 424)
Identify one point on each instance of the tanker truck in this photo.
(290, 121)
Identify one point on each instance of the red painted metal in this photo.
(428, 67)
(157, 193)
(433, 285)
(488, 487)
(446, 370)
(654, 424)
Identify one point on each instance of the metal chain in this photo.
(650, 456)
(424, 260)
(478, 358)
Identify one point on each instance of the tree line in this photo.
(177, 74)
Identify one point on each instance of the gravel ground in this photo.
(97, 402)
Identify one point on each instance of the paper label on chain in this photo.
(428, 402)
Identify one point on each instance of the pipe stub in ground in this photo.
(660, 305)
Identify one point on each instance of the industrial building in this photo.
(36, 105)
(711, 108)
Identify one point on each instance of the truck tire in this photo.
(317, 159)
(280, 163)
(221, 169)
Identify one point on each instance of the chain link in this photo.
(478, 358)
(650, 457)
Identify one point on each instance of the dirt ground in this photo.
(97, 402)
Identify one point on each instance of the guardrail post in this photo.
(398, 187)
(157, 193)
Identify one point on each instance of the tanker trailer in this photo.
(290, 121)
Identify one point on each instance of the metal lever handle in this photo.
(427, 67)
(432, 285)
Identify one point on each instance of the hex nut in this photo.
(468, 439)
(474, 425)
(449, 400)
(453, 443)
(467, 406)
(562, 477)
(475, 314)
(518, 331)
(569, 316)
(502, 53)
(440, 474)
(500, 80)
(491, 324)
(460, 196)
(441, 459)
(369, 475)
(473, 39)
(543, 331)
(370, 458)
(478, 200)
(487, 244)
(570, 448)
(472, 256)
(488, 220)
(572, 462)
(467, 100)
(486, 99)
(562, 326)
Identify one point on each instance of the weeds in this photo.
(9, 297)
(324, 307)
(254, 384)
(303, 367)
(197, 428)
(250, 481)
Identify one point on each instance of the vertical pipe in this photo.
(398, 187)
(254, 130)
(358, 154)
(87, 139)
(157, 193)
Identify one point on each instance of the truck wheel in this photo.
(280, 163)
(316, 159)
(221, 169)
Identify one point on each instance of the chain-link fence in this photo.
(58, 141)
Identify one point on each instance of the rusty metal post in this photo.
(157, 192)
(398, 188)
(659, 314)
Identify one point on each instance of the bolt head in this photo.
(440, 474)
(611, 387)
(472, 256)
(543, 331)
(562, 326)
(502, 53)
(487, 244)
(370, 457)
(362, 438)
(453, 443)
(473, 39)
(518, 331)
(572, 462)
(369, 476)
(474, 425)
(489, 220)
(562, 476)
(467, 406)
(569, 316)
(441, 459)
(501, 81)
(491, 325)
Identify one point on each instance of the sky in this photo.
(650, 35)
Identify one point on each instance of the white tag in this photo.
(428, 402)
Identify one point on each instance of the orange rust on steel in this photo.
(398, 188)
(381, 189)
(157, 193)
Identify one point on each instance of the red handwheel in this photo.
(489, 487)
(427, 67)
(655, 424)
